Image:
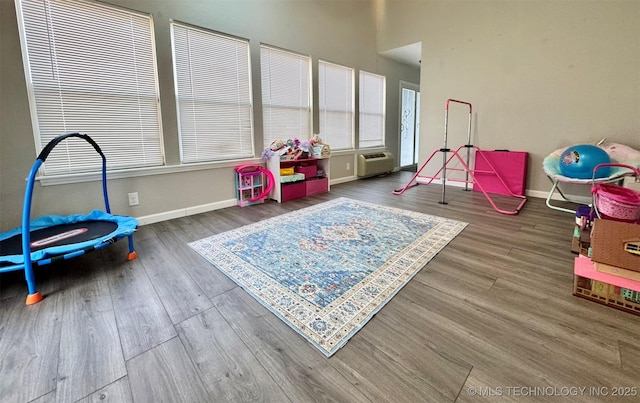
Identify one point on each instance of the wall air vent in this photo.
(375, 164)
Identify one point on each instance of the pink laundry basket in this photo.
(616, 202)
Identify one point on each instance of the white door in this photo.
(409, 124)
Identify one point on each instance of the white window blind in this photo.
(335, 86)
(91, 69)
(372, 107)
(286, 95)
(213, 95)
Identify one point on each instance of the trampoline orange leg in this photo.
(132, 252)
(34, 298)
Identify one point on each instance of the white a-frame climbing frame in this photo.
(470, 176)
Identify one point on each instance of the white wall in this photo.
(541, 75)
(337, 31)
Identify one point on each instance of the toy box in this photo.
(616, 243)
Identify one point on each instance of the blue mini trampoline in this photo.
(52, 238)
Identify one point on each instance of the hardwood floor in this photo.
(490, 318)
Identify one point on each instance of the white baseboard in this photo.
(556, 196)
(203, 208)
(187, 211)
(532, 193)
(439, 182)
(343, 180)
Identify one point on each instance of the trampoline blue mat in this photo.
(57, 235)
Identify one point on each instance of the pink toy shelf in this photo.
(253, 184)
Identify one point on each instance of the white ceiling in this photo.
(409, 54)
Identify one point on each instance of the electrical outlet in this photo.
(348, 166)
(133, 199)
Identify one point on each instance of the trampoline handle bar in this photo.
(51, 145)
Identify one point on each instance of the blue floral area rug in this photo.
(326, 270)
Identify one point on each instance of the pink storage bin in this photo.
(309, 171)
(293, 190)
(317, 186)
(617, 202)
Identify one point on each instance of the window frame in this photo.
(77, 159)
(349, 103)
(208, 103)
(368, 110)
(284, 133)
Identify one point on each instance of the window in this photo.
(91, 68)
(372, 107)
(335, 86)
(213, 95)
(286, 95)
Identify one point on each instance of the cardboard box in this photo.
(613, 244)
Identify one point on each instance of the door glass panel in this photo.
(408, 128)
(416, 146)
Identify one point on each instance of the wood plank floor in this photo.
(490, 318)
